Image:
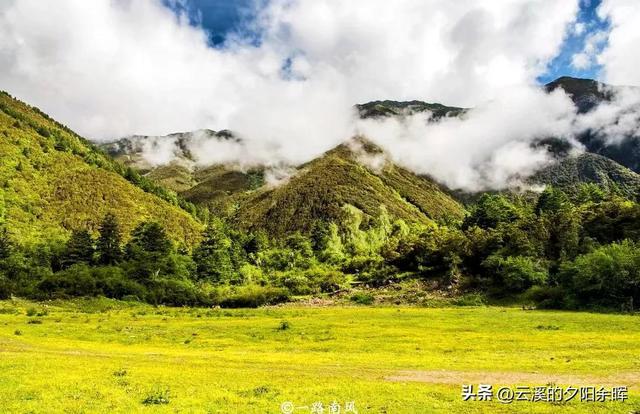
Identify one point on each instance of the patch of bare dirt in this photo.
(510, 378)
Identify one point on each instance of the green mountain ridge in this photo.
(318, 190)
(589, 168)
(322, 189)
(52, 181)
(381, 109)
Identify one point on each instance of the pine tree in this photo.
(109, 248)
(151, 238)
(79, 248)
(213, 256)
(6, 246)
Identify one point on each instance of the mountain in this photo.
(168, 161)
(587, 94)
(378, 109)
(315, 191)
(343, 176)
(320, 189)
(589, 168)
(53, 181)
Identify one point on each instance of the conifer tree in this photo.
(109, 243)
(213, 256)
(79, 248)
(5, 244)
(151, 238)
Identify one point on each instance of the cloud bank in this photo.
(621, 57)
(489, 147)
(111, 68)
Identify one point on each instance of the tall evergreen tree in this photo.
(151, 238)
(5, 244)
(213, 256)
(79, 248)
(109, 243)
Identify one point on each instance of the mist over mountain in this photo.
(285, 83)
(469, 149)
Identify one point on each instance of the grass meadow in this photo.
(102, 356)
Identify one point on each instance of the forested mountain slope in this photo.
(52, 181)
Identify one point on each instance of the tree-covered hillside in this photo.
(322, 189)
(52, 182)
(317, 191)
(572, 171)
(74, 222)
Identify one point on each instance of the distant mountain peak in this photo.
(585, 93)
(386, 108)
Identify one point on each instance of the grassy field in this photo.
(102, 356)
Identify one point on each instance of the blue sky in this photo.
(217, 16)
(220, 17)
(561, 65)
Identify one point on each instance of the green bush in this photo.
(175, 292)
(5, 288)
(515, 273)
(284, 326)
(112, 283)
(253, 296)
(469, 299)
(326, 280)
(77, 280)
(607, 276)
(295, 282)
(549, 297)
(362, 298)
(157, 396)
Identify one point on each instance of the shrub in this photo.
(112, 282)
(157, 396)
(326, 280)
(548, 297)
(284, 326)
(253, 296)
(74, 281)
(362, 298)
(32, 312)
(515, 273)
(175, 293)
(296, 283)
(469, 299)
(608, 276)
(5, 288)
(251, 274)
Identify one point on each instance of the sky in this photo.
(284, 75)
(588, 25)
(220, 17)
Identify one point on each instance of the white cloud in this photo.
(112, 68)
(621, 57)
(581, 60)
(592, 45)
(616, 120)
(490, 147)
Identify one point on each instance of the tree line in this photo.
(553, 249)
